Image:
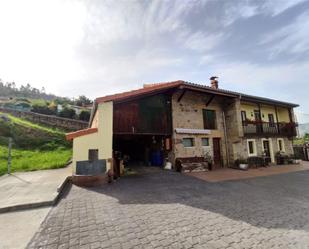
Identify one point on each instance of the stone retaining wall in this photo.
(58, 122)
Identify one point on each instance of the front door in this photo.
(266, 148)
(217, 152)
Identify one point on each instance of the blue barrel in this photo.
(156, 158)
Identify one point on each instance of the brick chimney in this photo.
(214, 83)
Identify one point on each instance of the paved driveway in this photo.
(170, 210)
(36, 188)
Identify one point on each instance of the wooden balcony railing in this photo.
(266, 128)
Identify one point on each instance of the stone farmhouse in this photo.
(183, 120)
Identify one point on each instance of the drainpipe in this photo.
(225, 139)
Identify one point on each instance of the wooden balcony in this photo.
(255, 128)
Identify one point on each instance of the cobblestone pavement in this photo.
(170, 210)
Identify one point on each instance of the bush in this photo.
(67, 113)
(84, 115)
(43, 109)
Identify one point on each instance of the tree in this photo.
(67, 113)
(306, 138)
(53, 107)
(82, 101)
(84, 115)
(43, 109)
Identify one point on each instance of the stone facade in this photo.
(240, 148)
(188, 113)
(233, 126)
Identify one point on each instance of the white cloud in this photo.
(290, 39)
(282, 82)
(276, 7)
(200, 41)
(240, 10)
(102, 47)
(38, 39)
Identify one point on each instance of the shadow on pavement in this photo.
(280, 201)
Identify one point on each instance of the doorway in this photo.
(140, 150)
(257, 117)
(217, 152)
(268, 149)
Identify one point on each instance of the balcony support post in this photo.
(290, 115)
(278, 128)
(260, 115)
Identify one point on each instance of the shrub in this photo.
(43, 109)
(84, 115)
(67, 113)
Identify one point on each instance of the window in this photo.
(93, 155)
(188, 142)
(209, 118)
(281, 144)
(251, 147)
(243, 116)
(271, 120)
(205, 141)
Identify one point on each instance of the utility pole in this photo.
(9, 156)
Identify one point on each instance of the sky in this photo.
(100, 47)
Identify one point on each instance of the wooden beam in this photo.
(209, 101)
(290, 115)
(276, 110)
(260, 114)
(181, 95)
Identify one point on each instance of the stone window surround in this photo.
(208, 142)
(254, 147)
(282, 143)
(215, 118)
(193, 142)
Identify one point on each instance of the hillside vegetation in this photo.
(35, 146)
(28, 98)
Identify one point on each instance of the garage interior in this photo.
(142, 130)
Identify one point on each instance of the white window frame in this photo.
(254, 147)
(282, 142)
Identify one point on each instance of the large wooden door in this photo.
(217, 152)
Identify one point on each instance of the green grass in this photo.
(29, 160)
(28, 124)
(35, 146)
(37, 101)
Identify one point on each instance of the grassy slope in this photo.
(35, 146)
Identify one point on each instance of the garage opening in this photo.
(142, 150)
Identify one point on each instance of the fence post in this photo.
(9, 156)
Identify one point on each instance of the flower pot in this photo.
(243, 166)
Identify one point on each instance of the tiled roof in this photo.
(154, 87)
(148, 89)
(157, 87)
(72, 135)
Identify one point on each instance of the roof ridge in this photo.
(155, 86)
(146, 85)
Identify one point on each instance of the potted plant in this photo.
(208, 159)
(242, 163)
(279, 158)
